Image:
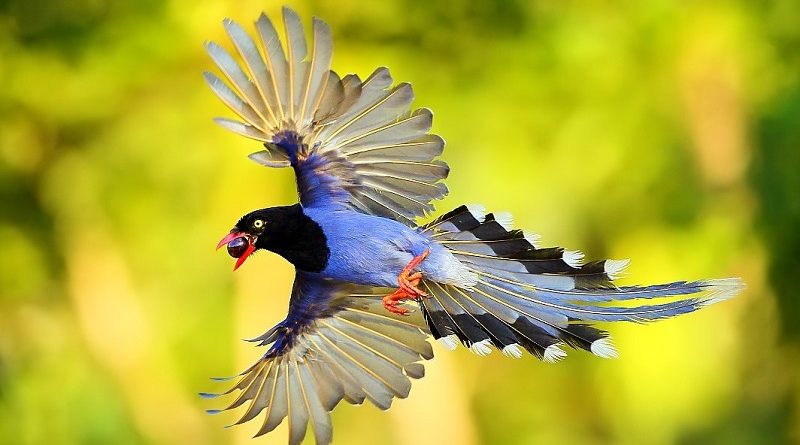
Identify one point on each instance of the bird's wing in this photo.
(336, 343)
(351, 142)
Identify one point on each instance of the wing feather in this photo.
(318, 72)
(279, 402)
(320, 421)
(245, 130)
(234, 102)
(296, 51)
(257, 70)
(351, 142)
(337, 343)
(275, 65)
(233, 72)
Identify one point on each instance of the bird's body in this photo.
(372, 250)
(367, 168)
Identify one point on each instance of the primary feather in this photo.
(377, 154)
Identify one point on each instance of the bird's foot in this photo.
(407, 282)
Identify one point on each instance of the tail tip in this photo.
(478, 212)
(505, 219)
(573, 258)
(481, 348)
(449, 341)
(615, 269)
(534, 239)
(554, 353)
(512, 350)
(722, 289)
(604, 348)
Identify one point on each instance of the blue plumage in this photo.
(366, 249)
(371, 250)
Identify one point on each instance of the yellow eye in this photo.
(257, 224)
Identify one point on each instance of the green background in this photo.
(664, 131)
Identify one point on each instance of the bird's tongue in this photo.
(240, 246)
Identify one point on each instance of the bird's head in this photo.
(253, 231)
(286, 230)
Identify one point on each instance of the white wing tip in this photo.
(604, 348)
(554, 353)
(534, 239)
(481, 348)
(573, 258)
(616, 268)
(478, 212)
(505, 219)
(450, 341)
(513, 351)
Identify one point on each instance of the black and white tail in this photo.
(541, 299)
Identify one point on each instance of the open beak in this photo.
(235, 241)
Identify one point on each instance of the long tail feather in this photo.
(542, 298)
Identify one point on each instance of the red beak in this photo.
(248, 251)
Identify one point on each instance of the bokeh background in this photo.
(664, 131)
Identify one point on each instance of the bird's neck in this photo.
(299, 239)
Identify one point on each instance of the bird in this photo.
(372, 284)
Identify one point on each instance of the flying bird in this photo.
(371, 284)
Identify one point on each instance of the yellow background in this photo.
(662, 131)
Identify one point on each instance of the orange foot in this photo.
(407, 283)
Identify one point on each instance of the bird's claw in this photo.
(407, 282)
(390, 303)
(410, 284)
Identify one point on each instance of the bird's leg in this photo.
(407, 283)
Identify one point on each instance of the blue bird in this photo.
(367, 169)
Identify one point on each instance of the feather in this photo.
(239, 79)
(296, 52)
(423, 149)
(297, 412)
(345, 348)
(330, 99)
(352, 143)
(243, 129)
(538, 298)
(403, 129)
(262, 96)
(320, 420)
(279, 402)
(263, 394)
(380, 112)
(316, 76)
(386, 370)
(234, 102)
(275, 66)
(470, 331)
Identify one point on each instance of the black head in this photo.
(283, 230)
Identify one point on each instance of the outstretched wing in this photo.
(351, 142)
(336, 343)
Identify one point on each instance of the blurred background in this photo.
(664, 131)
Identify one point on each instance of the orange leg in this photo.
(407, 283)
